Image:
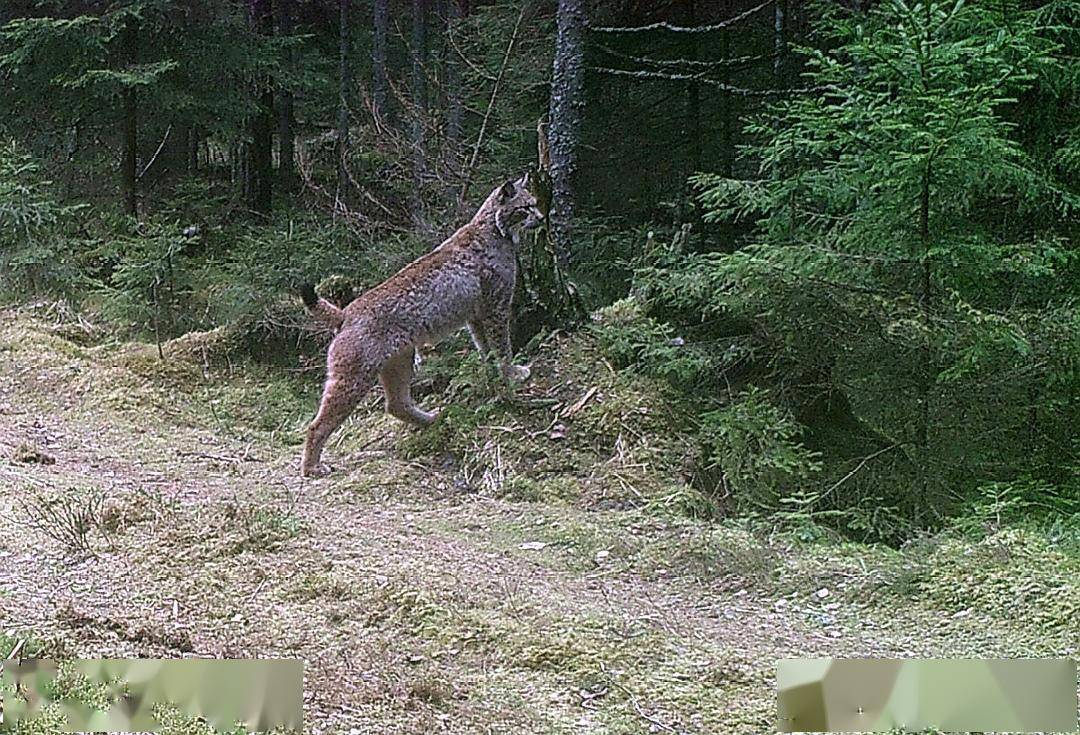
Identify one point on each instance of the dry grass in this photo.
(536, 564)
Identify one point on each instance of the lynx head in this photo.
(516, 207)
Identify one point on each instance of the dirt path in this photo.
(417, 606)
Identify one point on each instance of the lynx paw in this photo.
(424, 419)
(517, 373)
(319, 470)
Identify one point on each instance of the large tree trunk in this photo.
(286, 115)
(449, 12)
(419, 99)
(378, 57)
(344, 81)
(260, 160)
(129, 157)
(566, 108)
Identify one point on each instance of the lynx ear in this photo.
(507, 191)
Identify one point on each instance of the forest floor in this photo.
(425, 592)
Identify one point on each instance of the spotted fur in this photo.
(468, 280)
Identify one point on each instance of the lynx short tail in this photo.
(320, 308)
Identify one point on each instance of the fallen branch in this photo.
(663, 25)
(156, 153)
(859, 466)
(688, 63)
(642, 713)
(682, 77)
(15, 651)
(580, 403)
(218, 457)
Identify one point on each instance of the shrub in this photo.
(755, 443)
(36, 254)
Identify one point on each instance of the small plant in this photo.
(1000, 504)
(27, 453)
(684, 500)
(800, 512)
(150, 281)
(68, 519)
(755, 444)
(635, 340)
(260, 529)
(14, 645)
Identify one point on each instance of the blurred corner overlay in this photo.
(258, 694)
(873, 695)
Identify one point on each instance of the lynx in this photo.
(468, 281)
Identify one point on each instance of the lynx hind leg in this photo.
(396, 377)
(346, 384)
(339, 399)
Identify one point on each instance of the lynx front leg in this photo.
(479, 339)
(496, 330)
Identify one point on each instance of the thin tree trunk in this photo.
(926, 304)
(286, 115)
(260, 160)
(129, 157)
(779, 42)
(378, 57)
(449, 92)
(566, 108)
(454, 108)
(926, 299)
(286, 144)
(727, 136)
(470, 169)
(693, 104)
(192, 142)
(419, 95)
(128, 173)
(344, 81)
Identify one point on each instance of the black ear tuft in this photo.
(507, 190)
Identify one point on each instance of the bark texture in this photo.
(129, 156)
(286, 115)
(566, 113)
(260, 159)
(344, 81)
(381, 22)
(419, 112)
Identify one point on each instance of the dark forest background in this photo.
(843, 234)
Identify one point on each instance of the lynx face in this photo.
(517, 208)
